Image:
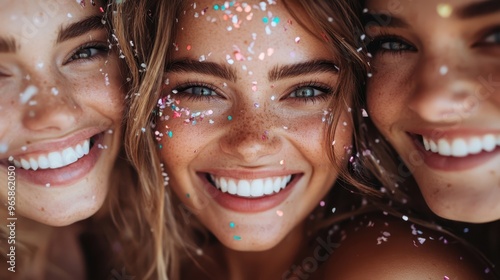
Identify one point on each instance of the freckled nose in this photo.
(251, 136)
(445, 94)
(48, 108)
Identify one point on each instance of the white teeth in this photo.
(444, 148)
(489, 142)
(243, 188)
(251, 188)
(462, 147)
(475, 145)
(459, 148)
(34, 164)
(56, 159)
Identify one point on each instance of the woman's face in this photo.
(435, 95)
(60, 109)
(242, 131)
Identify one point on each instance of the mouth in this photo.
(58, 158)
(459, 146)
(251, 188)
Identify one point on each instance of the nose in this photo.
(445, 89)
(48, 107)
(251, 136)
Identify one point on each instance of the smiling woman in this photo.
(60, 135)
(440, 76)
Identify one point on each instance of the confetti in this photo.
(28, 93)
(443, 70)
(237, 237)
(444, 10)
(229, 118)
(279, 213)
(232, 224)
(322, 203)
(297, 40)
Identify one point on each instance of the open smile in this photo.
(250, 188)
(457, 153)
(62, 166)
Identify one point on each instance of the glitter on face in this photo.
(443, 70)
(237, 237)
(229, 118)
(232, 224)
(28, 93)
(279, 213)
(444, 10)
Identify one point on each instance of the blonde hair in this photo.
(144, 30)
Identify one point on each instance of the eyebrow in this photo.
(276, 73)
(297, 69)
(7, 45)
(382, 19)
(202, 67)
(478, 9)
(79, 28)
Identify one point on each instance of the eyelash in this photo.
(181, 91)
(326, 90)
(375, 46)
(102, 48)
(495, 31)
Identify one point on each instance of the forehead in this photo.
(29, 18)
(244, 30)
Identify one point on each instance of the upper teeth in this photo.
(461, 147)
(251, 188)
(55, 159)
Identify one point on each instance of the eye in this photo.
(392, 44)
(199, 91)
(306, 92)
(88, 52)
(494, 38)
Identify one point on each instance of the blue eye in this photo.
(89, 52)
(199, 91)
(306, 92)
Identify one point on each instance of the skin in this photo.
(77, 96)
(440, 73)
(256, 128)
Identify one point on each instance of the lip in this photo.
(451, 163)
(41, 147)
(249, 204)
(67, 175)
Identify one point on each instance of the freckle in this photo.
(42, 209)
(448, 185)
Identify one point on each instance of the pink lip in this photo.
(449, 163)
(249, 205)
(64, 176)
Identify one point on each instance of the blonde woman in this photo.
(240, 101)
(60, 136)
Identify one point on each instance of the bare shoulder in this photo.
(377, 246)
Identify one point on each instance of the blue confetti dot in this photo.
(232, 225)
(265, 20)
(237, 237)
(170, 134)
(230, 118)
(276, 19)
(216, 7)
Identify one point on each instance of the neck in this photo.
(269, 264)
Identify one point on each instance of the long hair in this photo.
(144, 30)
